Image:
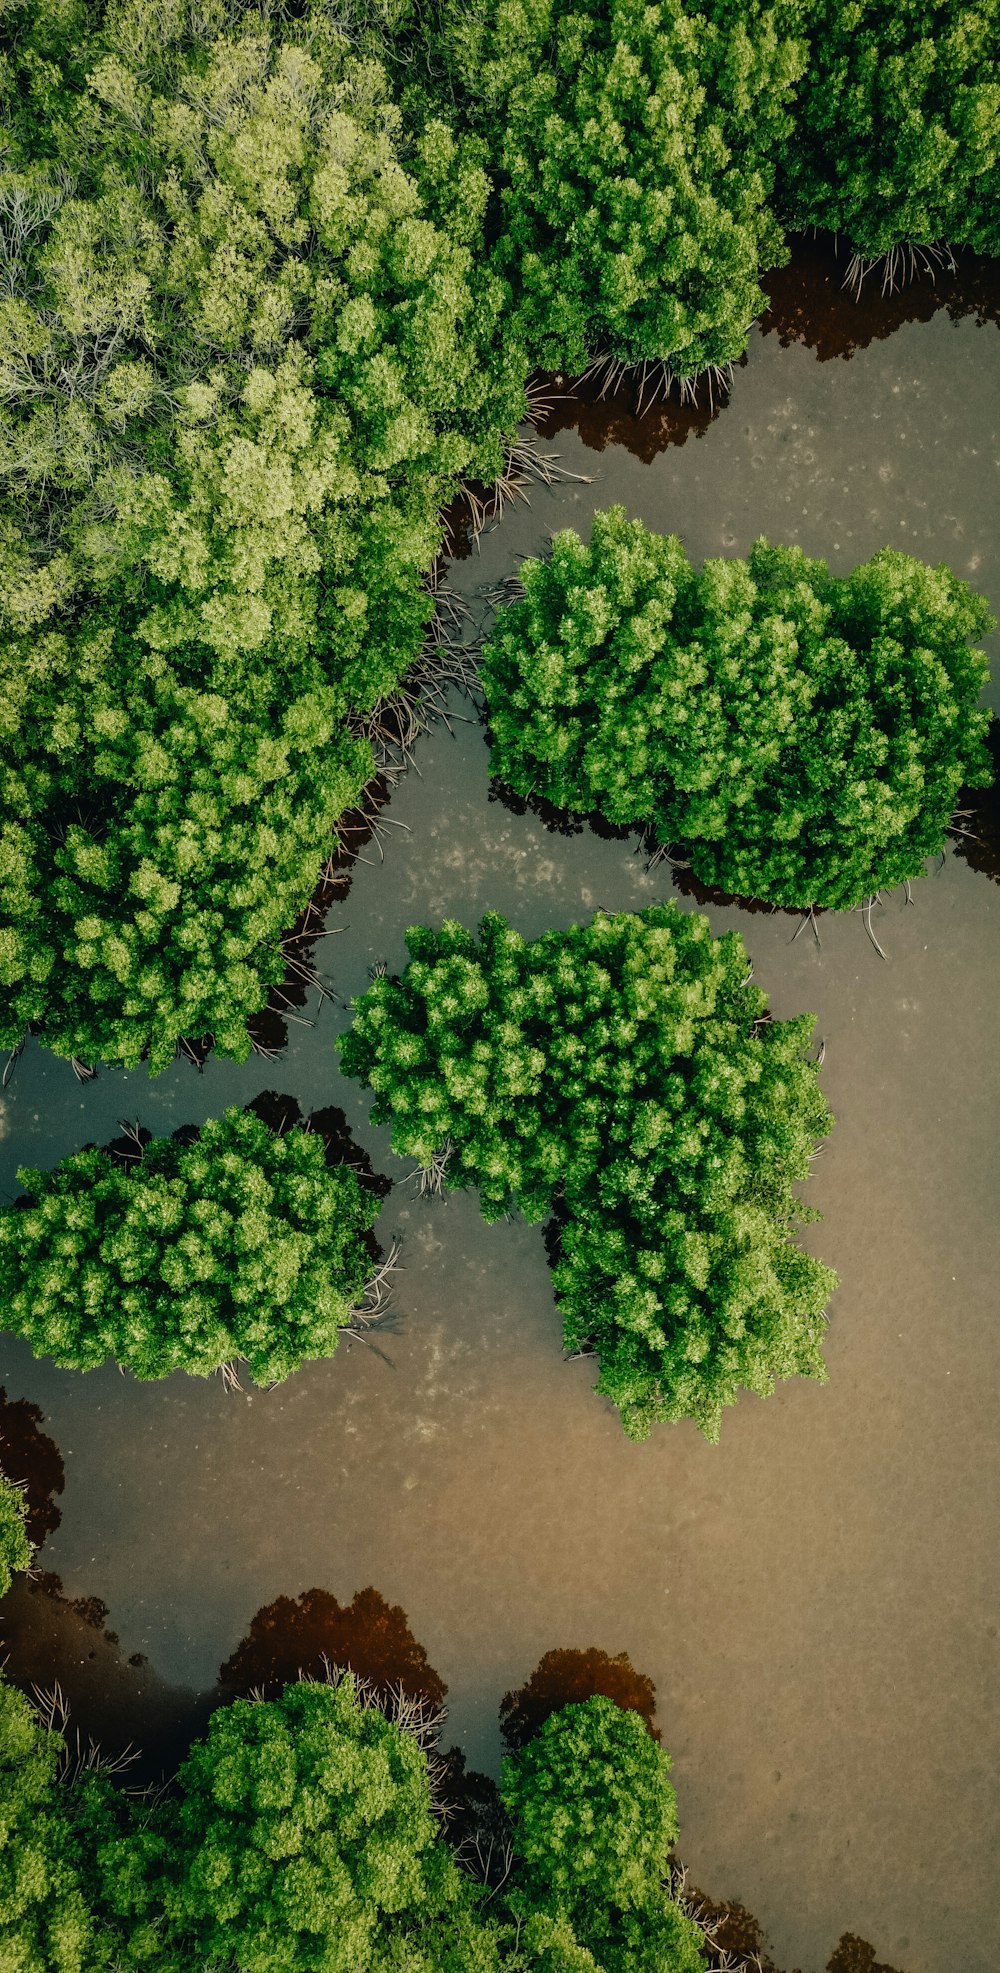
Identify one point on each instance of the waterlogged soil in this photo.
(815, 1598)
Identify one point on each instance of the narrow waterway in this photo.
(814, 1598)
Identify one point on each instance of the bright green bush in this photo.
(240, 1245)
(48, 1834)
(635, 168)
(249, 341)
(299, 1839)
(624, 1069)
(896, 134)
(15, 1548)
(595, 1817)
(803, 736)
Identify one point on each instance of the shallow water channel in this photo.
(814, 1598)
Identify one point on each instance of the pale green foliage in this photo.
(595, 1817)
(803, 736)
(625, 1069)
(47, 1923)
(248, 345)
(240, 1245)
(299, 1839)
(15, 1548)
(635, 175)
(897, 126)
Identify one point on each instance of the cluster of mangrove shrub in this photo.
(646, 158)
(625, 1073)
(273, 287)
(15, 1548)
(302, 1835)
(896, 135)
(273, 283)
(240, 1245)
(803, 736)
(248, 343)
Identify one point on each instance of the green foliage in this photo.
(240, 1245)
(897, 126)
(626, 1070)
(803, 736)
(249, 343)
(594, 1818)
(47, 1834)
(299, 1839)
(635, 169)
(15, 1548)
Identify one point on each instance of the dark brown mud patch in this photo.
(299, 1637)
(51, 1640)
(810, 304)
(567, 1678)
(976, 836)
(33, 1461)
(621, 416)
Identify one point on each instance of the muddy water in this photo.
(814, 1598)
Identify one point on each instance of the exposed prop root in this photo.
(376, 1302)
(432, 1176)
(82, 1070)
(866, 907)
(12, 1060)
(652, 382)
(808, 918)
(900, 265)
(229, 1372)
(718, 1958)
(78, 1757)
(524, 463)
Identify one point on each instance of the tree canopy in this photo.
(803, 736)
(301, 1835)
(896, 135)
(635, 168)
(50, 1830)
(299, 1838)
(240, 1245)
(595, 1818)
(624, 1072)
(246, 349)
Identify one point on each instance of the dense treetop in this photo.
(240, 1245)
(595, 1818)
(896, 135)
(247, 345)
(635, 173)
(50, 1831)
(302, 1834)
(272, 285)
(624, 1071)
(803, 736)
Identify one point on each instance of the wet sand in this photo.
(814, 1598)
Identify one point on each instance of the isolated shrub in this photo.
(625, 1070)
(803, 736)
(594, 1819)
(15, 1548)
(896, 134)
(635, 168)
(249, 341)
(240, 1245)
(299, 1838)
